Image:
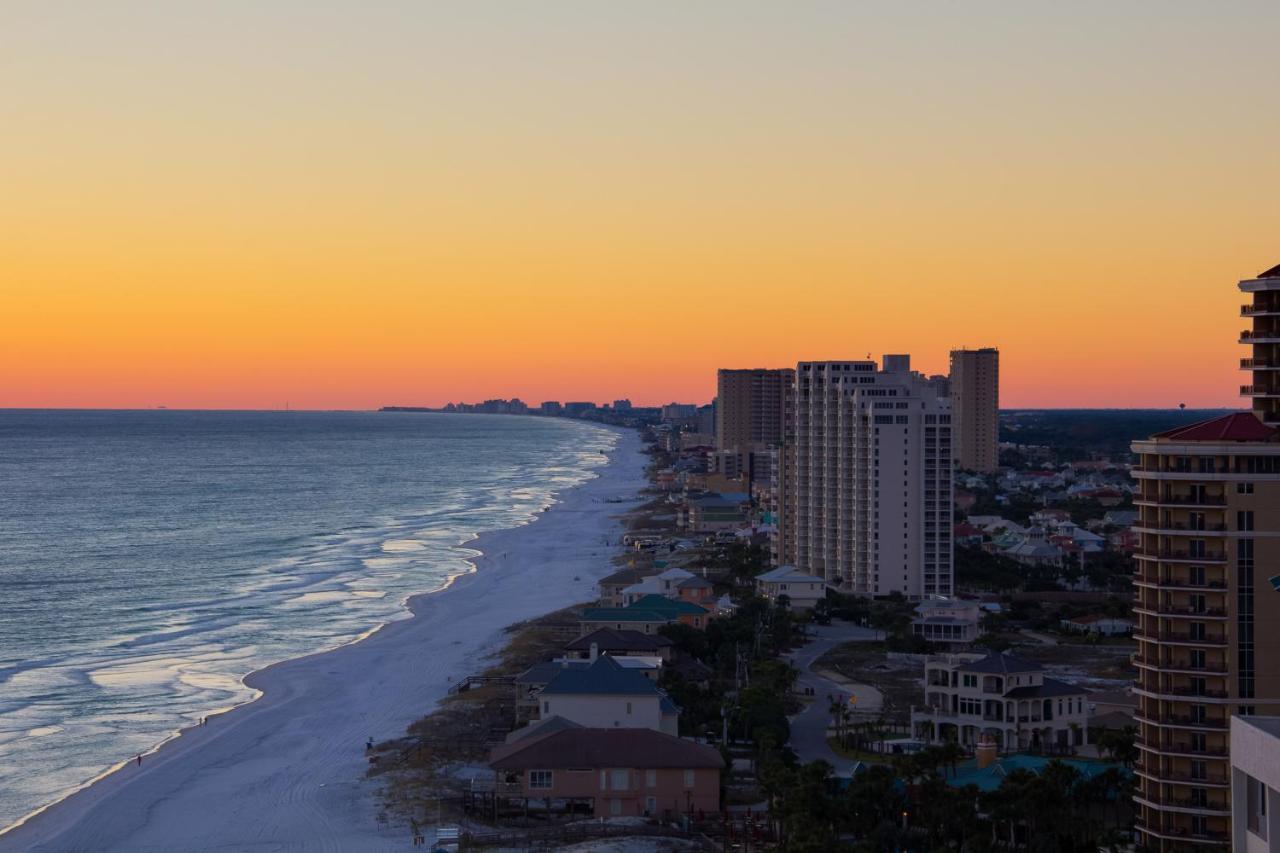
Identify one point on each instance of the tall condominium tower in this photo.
(975, 407)
(864, 484)
(751, 407)
(1208, 620)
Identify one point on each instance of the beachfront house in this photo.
(803, 590)
(616, 772)
(998, 696)
(607, 641)
(608, 694)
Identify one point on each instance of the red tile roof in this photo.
(603, 748)
(1238, 426)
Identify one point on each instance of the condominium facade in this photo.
(1208, 621)
(751, 407)
(975, 407)
(864, 488)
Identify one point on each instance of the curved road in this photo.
(809, 727)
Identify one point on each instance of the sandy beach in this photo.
(285, 772)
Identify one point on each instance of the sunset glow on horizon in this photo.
(355, 205)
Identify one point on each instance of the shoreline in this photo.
(318, 709)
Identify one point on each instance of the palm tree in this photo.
(951, 754)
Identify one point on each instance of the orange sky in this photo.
(338, 207)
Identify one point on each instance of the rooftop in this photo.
(609, 639)
(605, 676)
(1001, 664)
(1237, 426)
(789, 573)
(1050, 688)
(634, 748)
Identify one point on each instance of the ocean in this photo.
(150, 560)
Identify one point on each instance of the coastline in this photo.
(285, 769)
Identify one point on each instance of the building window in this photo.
(651, 778)
(688, 778)
(1256, 806)
(540, 779)
(620, 780)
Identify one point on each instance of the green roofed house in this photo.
(646, 615)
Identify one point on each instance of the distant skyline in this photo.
(345, 206)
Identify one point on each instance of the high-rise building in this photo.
(751, 406)
(1208, 622)
(864, 482)
(975, 407)
(623, 405)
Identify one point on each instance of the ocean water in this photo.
(150, 560)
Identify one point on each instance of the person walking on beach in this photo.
(139, 759)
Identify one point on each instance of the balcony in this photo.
(1180, 748)
(1258, 391)
(1180, 638)
(1187, 804)
(1261, 336)
(1173, 555)
(1259, 364)
(1183, 721)
(1172, 832)
(1179, 693)
(1167, 582)
(1169, 611)
(1256, 310)
(1173, 666)
(1182, 500)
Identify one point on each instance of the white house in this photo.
(948, 621)
(664, 583)
(1009, 700)
(803, 590)
(608, 695)
(1104, 626)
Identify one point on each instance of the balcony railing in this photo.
(1184, 720)
(1178, 637)
(1219, 586)
(1187, 500)
(1208, 668)
(1183, 832)
(1177, 746)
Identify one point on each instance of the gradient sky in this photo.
(345, 205)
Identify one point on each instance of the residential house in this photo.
(948, 621)
(607, 641)
(620, 772)
(803, 590)
(1103, 626)
(1000, 697)
(606, 694)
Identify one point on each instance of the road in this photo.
(809, 727)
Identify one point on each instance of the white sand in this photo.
(286, 772)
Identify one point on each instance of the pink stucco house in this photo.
(620, 772)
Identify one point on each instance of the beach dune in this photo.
(285, 772)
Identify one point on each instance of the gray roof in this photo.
(612, 640)
(694, 583)
(603, 677)
(1000, 663)
(789, 573)
(542, 727)
(1050, 688)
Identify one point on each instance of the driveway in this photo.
(809, 727)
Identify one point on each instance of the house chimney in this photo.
(595, 651)
(986, 752)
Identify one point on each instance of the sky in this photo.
(350, 205)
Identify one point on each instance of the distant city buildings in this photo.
(864, 490)
(1208, 619)
(975, 407)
